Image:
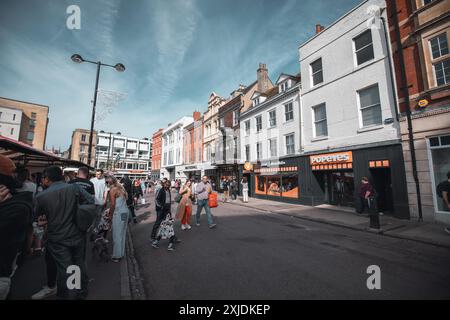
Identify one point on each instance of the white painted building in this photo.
(350, 123)
(173, 149)
(10, 121)
(270, 129)
(123, 155)
(342, 67)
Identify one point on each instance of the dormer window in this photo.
(284, 86)
(255, 102)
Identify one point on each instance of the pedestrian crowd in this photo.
(54, 214)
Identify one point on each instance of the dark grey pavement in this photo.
(262, 255)
(105, 278)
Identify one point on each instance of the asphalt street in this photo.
(259, 255)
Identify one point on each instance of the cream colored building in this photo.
(79, 147)
(211, 129)
(34, 121)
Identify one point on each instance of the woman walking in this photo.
(118, 213)
(137, 191)
(184, 209)
(244, 184)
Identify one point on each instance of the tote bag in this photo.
(212, 200)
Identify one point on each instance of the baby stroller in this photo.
(98, 236)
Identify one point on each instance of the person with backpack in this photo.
(443, 192)
(60, 204)
(15, 220)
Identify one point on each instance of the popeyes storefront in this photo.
(334, 178)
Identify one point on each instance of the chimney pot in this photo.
(319, 28)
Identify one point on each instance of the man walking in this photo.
(59, 203)
(99, 187)
(128, 185)
(202, 192)
(366, 195)
(82, 180)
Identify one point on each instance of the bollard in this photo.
(373, 214)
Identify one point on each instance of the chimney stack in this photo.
(319, 28)
(262, 76)
(196, 115)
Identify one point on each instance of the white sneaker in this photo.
(183, 227)
(44, 293)
(188, 227)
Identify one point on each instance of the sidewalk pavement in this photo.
(425, 232)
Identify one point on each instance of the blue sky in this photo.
(176, 52)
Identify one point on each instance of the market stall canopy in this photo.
(22, 153)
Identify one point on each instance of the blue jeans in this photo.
(203, 204)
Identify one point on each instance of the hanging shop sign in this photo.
(338, 160)
(248, 166)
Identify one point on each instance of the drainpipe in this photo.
(391, 69)
(404, 88)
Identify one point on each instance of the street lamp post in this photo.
(119, 67)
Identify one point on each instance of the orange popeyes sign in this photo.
(331, 158)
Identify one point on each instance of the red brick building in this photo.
(156, 155)
(421, 29)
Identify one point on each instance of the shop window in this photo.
(260, 185)
(440, 166)
(289, 186)
(273, 186)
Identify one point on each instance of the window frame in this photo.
(315, 121)
(259, 151)
(271, 155)
(314, 73)
(258, 128)
(441, 62)
(292, 111)
(432, 174)
(355, 51)
(247, 130)
(360, 109)
(269, 124)
(286, 136)
(439, 45)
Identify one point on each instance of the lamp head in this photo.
(76, 58)
(119, 67)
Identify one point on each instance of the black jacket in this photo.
(15, 221)
(59, 204)
(128, 186)
(160, 200)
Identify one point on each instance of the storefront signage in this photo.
(248, 166)
(272, 163)
(331, 158)
(190, 167)
(423, 103)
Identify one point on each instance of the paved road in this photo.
(256, 255)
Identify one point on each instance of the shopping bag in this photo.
(142, 200)
(212, 200)
(165, 230)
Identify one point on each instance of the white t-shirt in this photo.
(100, 188)
(28, 186)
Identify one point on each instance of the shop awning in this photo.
(26, 155)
